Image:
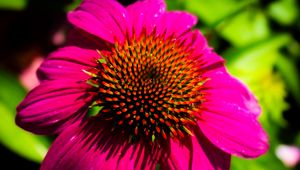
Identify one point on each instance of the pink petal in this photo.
(176, 23)
(68, 63)
(144, 14)
(196, 153)
(94, 146)
(222, 85)
(52, 106)
(82, 39)
(106, 19)
(201, 53)
(229, 117)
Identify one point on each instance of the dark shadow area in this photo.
(26, 33)
(10, 160)
(126, 2)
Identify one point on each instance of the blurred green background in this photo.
(260, 41)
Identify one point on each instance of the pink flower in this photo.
(163, 95)
(28, 76)
(288, 154)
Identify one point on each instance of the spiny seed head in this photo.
(149, 87)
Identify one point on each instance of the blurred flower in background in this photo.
(258, 39)
(289, 155)
(28, 76)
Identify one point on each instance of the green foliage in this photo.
(249, 27)
(284, 11)
(13, 4)
(213, 12)
(255, 56)
(289, 72)
(21, 142)
(73, 5)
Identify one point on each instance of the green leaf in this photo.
(11, 92)
(285, 11)
(248, 27)
(175, 5)
(13, 4)
(271, 93)
(73, 5)
(289, 72)
(213, 12)
(19, 141)
(258, 55)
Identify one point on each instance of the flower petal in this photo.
(144, 14)
(222, 85)
(68, 63)
(201, 53)
(168, 23)
(106, 19)
(79, 38)
(229, 117)
(196, 153)
(92, 145)
(52, 106)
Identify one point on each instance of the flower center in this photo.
(149, 87)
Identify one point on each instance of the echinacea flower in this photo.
(137, 88)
